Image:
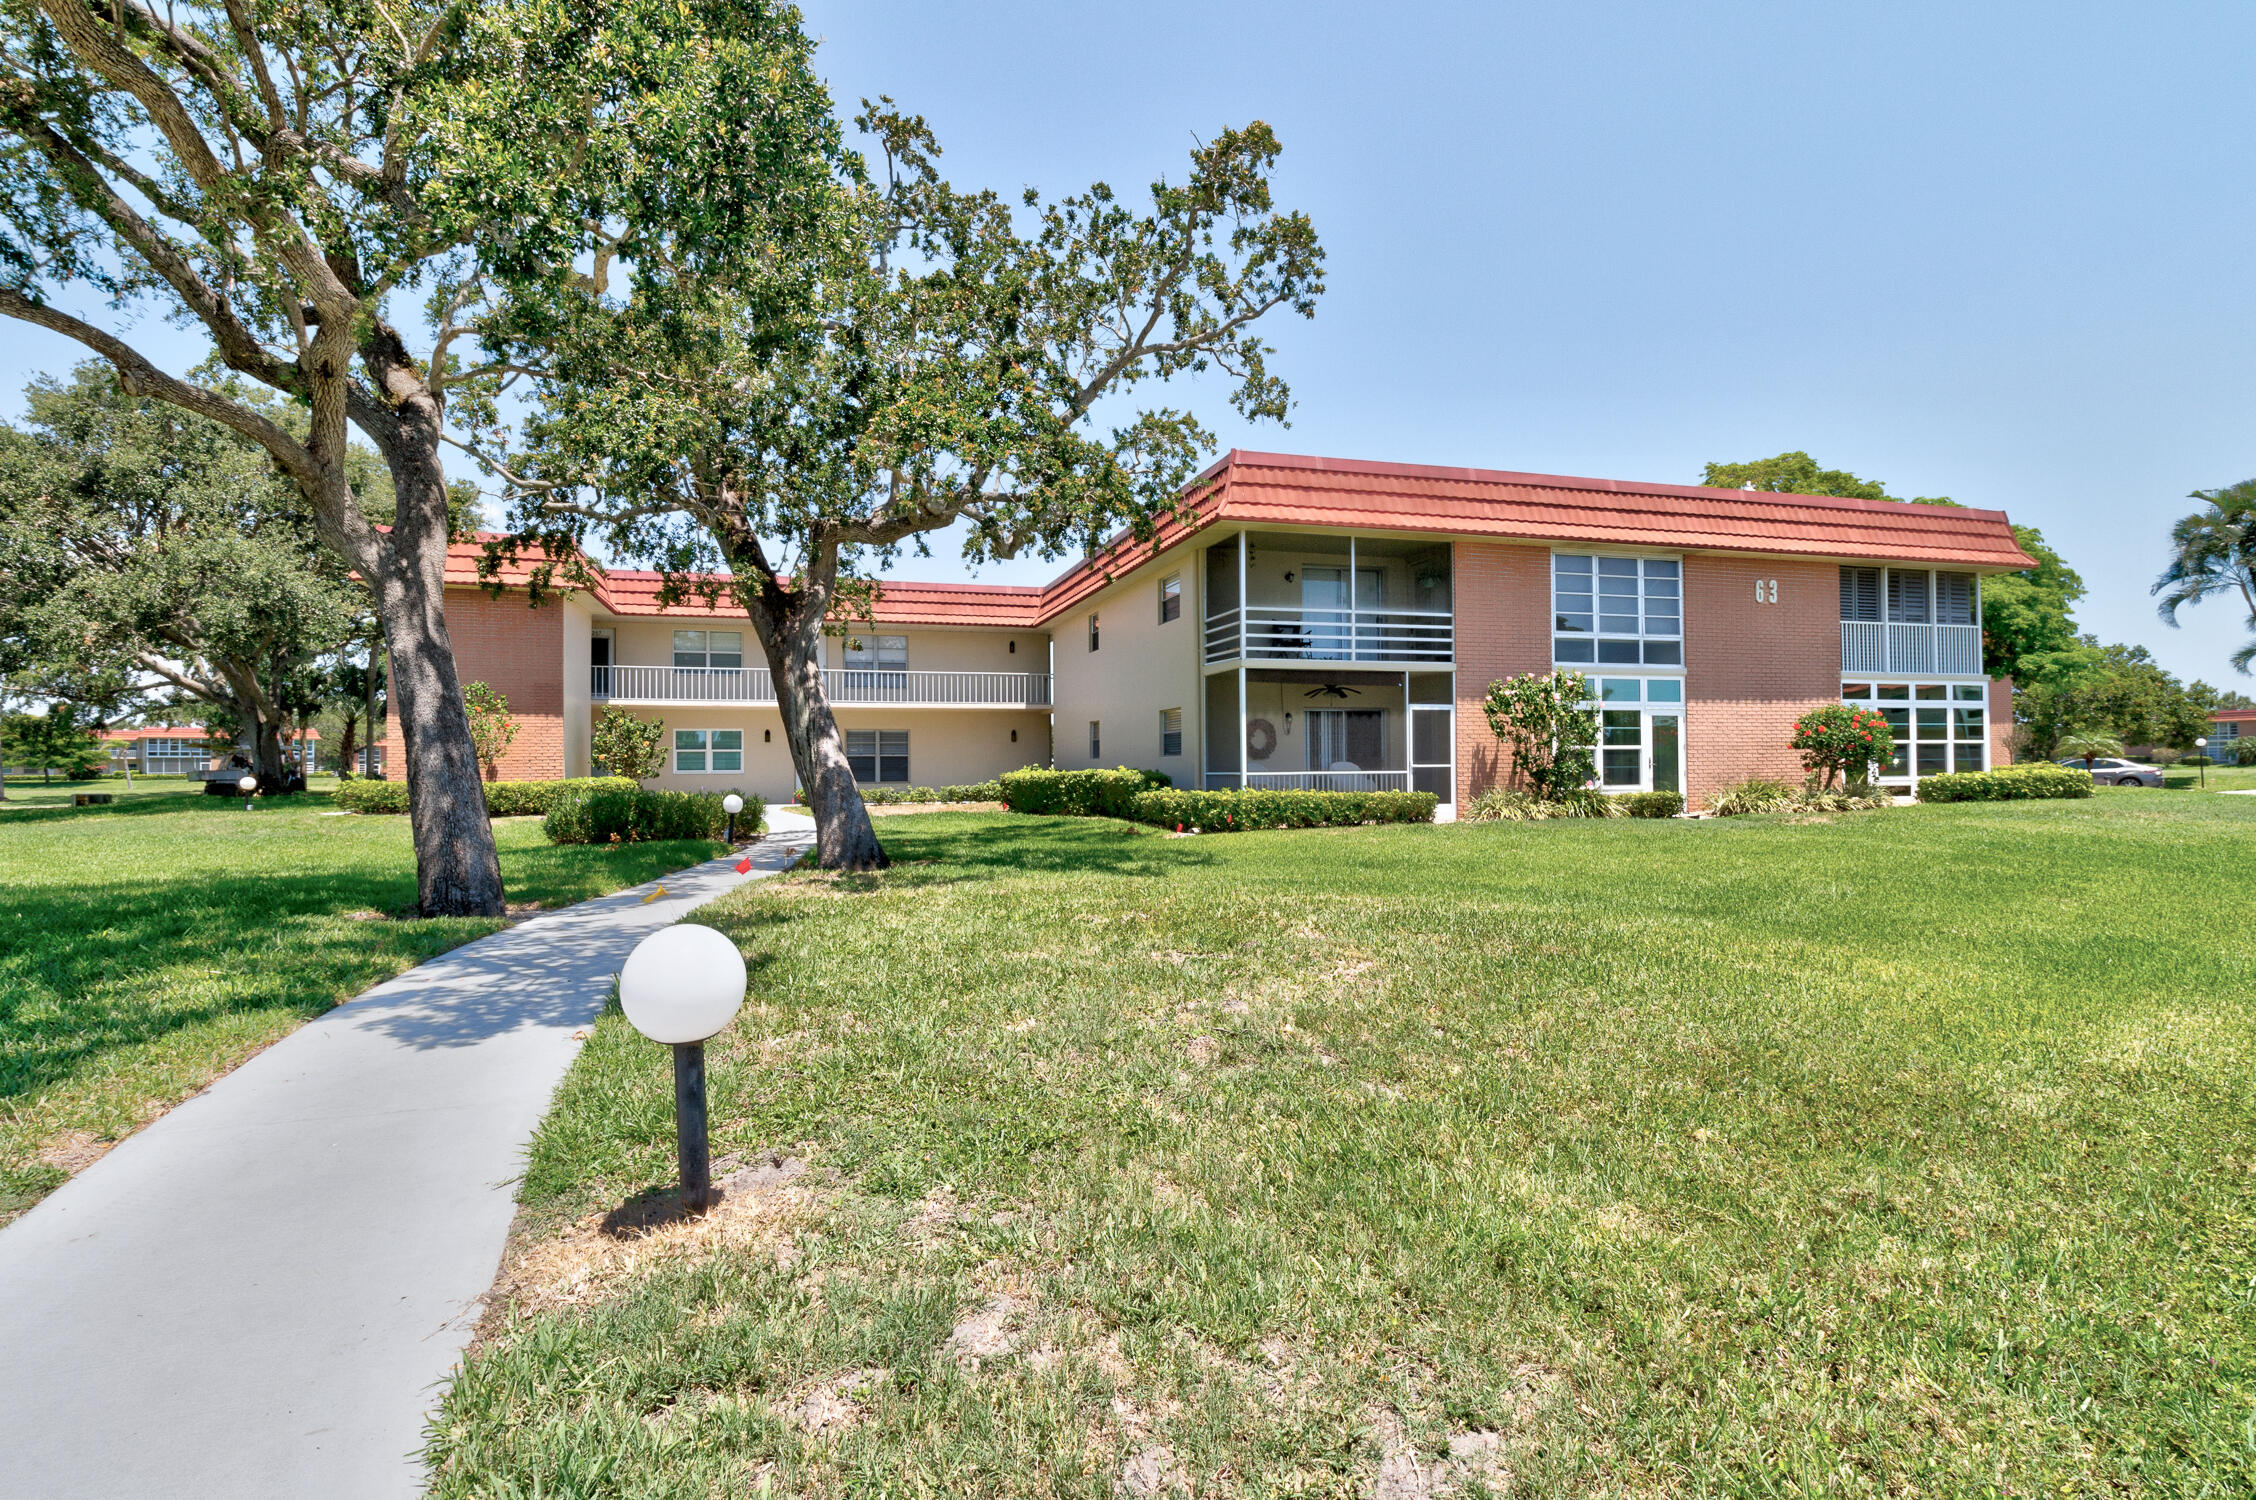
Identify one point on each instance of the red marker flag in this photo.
(744, 865)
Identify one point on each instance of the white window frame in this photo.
(1652, 645)
(1171, 592)
(1094, 634)
(1610, 696)
(1170, 728)
(878, 756)
(864, 653)
(1096, 739)
(710, 749)
(1958, 699)
(705, 650)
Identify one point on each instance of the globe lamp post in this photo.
(2201, 748)
(732, 804)
(247, 784)
(680, 986)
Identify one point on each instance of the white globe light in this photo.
(2200, 740)
(732, 804)
(682, 984)
(246, 784)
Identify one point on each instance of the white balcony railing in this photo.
(1312, 781)
(844, 686)
(1872, 648)
(1263, 634)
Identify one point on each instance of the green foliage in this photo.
(1839, 742)
(629, 746)
(1650, 804)
(1757, 794)
(2213, 555)
(2006, 784)
(629, 815)
(2244, 754)
(1544, 718)
(2028, 616)
(1796, 473)
(2117, 690)
(916, 796)
(504, 799)
(1517, 805)
(1243, 811)
(57, 740)
(492, 729)
(2088, 745)
(1079, 794)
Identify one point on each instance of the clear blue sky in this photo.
(1994, 252)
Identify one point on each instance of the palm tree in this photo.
(2213, 551)
(2089, 745)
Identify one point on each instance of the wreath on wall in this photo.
(1261, 739)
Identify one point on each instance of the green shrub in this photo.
(1512, 805)
(1650, 804)
(631, 815)
(1757, 794)
(1235, 811)
(504, 799)
(2245, 754)
(1077, 794)
(2006, 784)
(978, 791)
(895, 796)
(2197, 761)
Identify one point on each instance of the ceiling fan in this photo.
(1332, 690)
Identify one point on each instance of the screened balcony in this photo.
(1910, 622)
(1330, 731)
(1276, 596)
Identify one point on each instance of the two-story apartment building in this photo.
(1327, 624)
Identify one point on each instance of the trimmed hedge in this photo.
(1240, 811)
(2006, 784)
(631, 815)
(889, 796)
(1650, 804)
(1079, 794)
(504, 799)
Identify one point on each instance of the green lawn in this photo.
(2221, 778)
(1911, 1153)
(148, 947)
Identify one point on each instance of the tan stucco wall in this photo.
(1141, 667)
(650, 643)
(578, 707)
(947, 747)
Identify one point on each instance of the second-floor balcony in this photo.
(846, 687)
(1879, 647)
(1363, 635)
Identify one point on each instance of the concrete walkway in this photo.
(263, 1292)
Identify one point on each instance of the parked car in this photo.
(2110, 771)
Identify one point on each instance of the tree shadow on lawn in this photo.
(147, 804)
(85, 972)
(992, 843)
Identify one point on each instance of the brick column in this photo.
(1753, 668)
(2001, 722)
(1503, 609)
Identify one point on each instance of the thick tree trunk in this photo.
(345, 746)
(267, 758)
(792, 638)
(457, 872)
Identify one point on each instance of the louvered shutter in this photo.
(1860, 593)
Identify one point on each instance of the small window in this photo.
(1092, 630)
(689, 747)
(878, 755)
(1170, 598)
(1171, 731)
(877, 651)
(728, 750)
(1096, 740)
(720, 649)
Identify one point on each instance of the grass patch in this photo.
(147, 947)
(1908, 1153)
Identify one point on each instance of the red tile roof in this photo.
(2233, 716)
(1283, 489)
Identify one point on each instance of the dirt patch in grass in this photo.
(73, 1151)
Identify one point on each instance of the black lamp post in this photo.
(2201, 748)
(732, 804)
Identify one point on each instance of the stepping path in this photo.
(263, 1292)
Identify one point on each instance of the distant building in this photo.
(2227, 728)
(190, 750)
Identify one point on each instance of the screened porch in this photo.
(1330, 731)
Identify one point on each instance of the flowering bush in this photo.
(1838, 741)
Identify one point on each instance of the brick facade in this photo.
(2001, 722)
(1503, 613)
(520, 652)
(1752, 669)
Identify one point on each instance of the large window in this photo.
(1617, 611)
(708, 752)
(878, 755)
(1640, 733)
(1346, 739)
(877, 651)
(709, 648)
(1937, 726)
